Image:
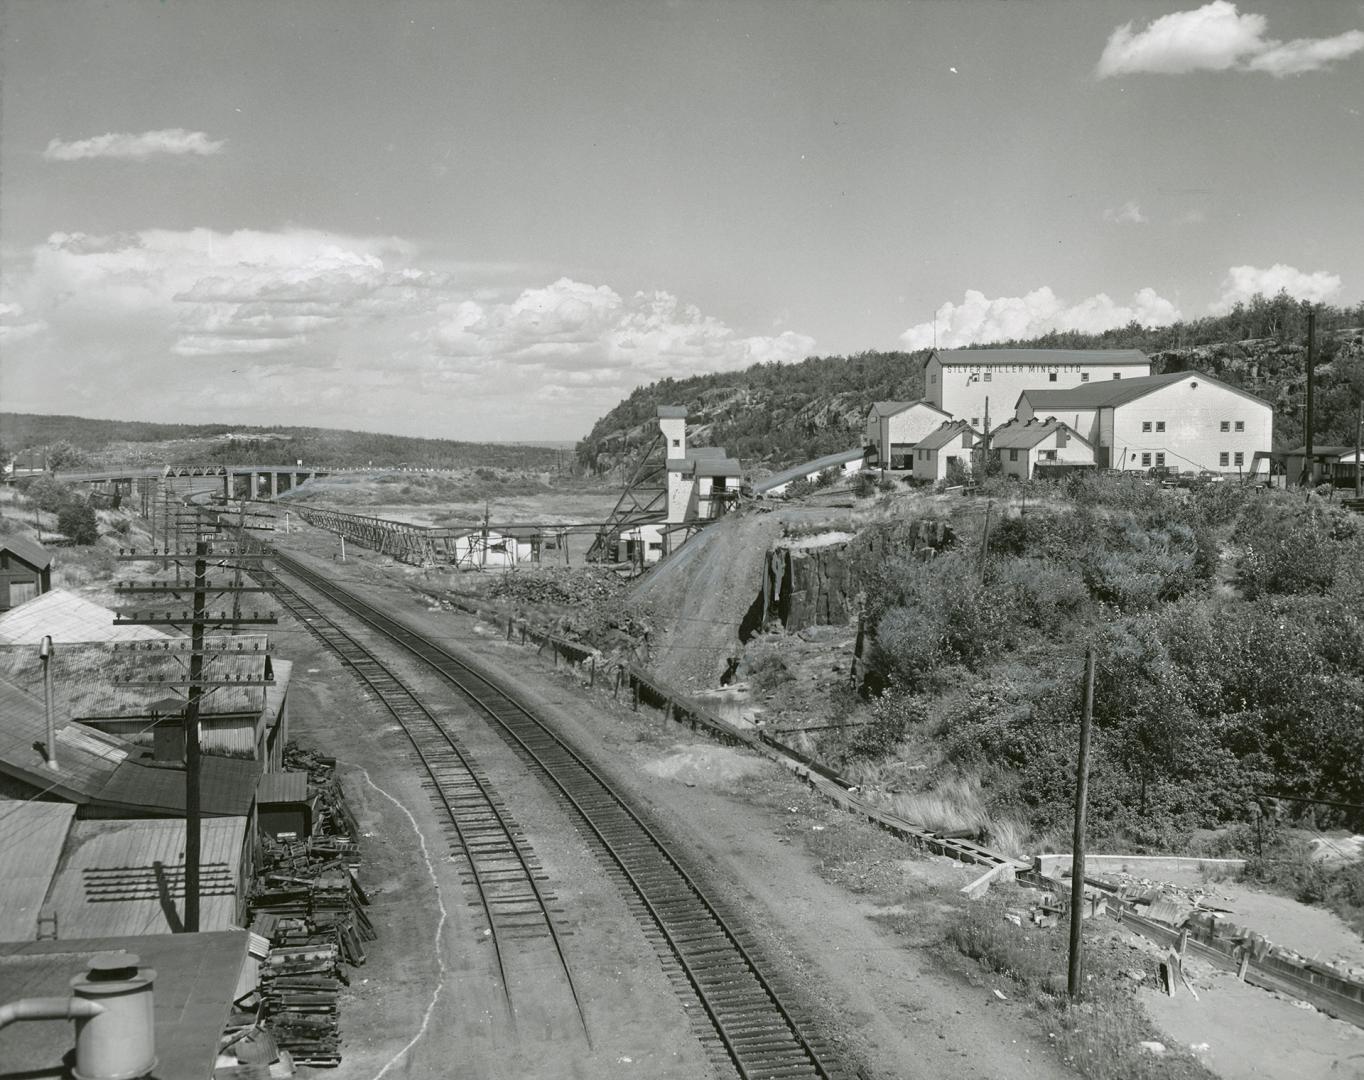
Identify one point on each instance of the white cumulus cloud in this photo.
(978, 319)
(1244, 282)
(1127, 214)
(171, 142)
(356, 331)
(1217, 37)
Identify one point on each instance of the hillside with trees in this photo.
(73, 441)
(774, 415)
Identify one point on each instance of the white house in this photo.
(848, 463)
(1184, 420)
(964, 381)
(1020, 445)
(948, 444)
(894, 427)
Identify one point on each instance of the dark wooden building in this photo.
(25, 571)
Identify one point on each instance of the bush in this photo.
(48, 495)
(77, 522)
(863, 484)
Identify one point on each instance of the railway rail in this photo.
(499, 866)
(741, 1017)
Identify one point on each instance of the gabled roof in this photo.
(941, 436)
(1017, 435)
(34, 554)
(1108, 393)
(63, 616)
(795, 472)
(86, 759)
(1046, 357)
(893, 408)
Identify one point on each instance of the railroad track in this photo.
(498, 864)
(738, 1015)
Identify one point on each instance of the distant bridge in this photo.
(255, 481)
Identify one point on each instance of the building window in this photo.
(1240, 459)
(932, 376)
(1226, 425)
(1084, 376)
(1160, 425)
(677, 442)
(1146, 425)
(989, 376)
(1117, 374)
(1013, 455)
(1224, 458)
(1240, 425)
(1051, 377)
(1146, 459)
(1047, 455)
(1160, 458)
(975, 421)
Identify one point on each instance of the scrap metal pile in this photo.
(306, 900)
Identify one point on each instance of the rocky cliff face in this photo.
(822, 585)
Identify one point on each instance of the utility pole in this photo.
(1359, 463)
(1077, 858)
(207, 550)
(985, 540)
(1306, 478)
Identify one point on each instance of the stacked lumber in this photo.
(299, 989)
(307, 902)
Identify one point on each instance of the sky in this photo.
(493, 220)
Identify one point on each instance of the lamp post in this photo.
(45, 655)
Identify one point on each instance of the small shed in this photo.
(283, 810)
(25, 571)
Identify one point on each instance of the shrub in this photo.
(77, 522)
(48, 495)
(863, 485)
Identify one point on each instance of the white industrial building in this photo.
(701, 484)
(1020, 446)
(949, 444)
(894, 428)
(1183, 420)
(971, 383)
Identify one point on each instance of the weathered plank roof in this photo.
(32, 553)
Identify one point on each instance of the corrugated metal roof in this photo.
(227, 736)
(1016, 435)
(31, 839)
(941, 436)
(795, 472)
(84, 679)
(197, 976)
(86, 760)
(65, 617)
(278, 787)
(35, 555)
(1048, 357)
(705, 466)
(1107, 393)
(672, 412)
(120, 876)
